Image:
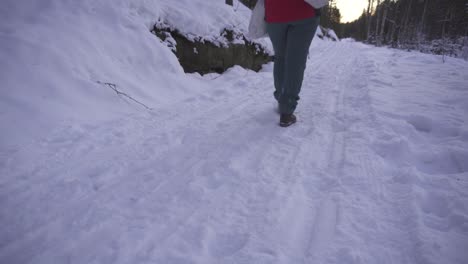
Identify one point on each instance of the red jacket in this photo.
(277, 11)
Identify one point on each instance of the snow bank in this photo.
(56, 55)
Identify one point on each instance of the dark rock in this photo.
(249, 3)
(204, 56)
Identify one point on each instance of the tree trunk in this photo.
(403, 32)
(369, 18)
(421, 27)
(384, 18)
(391, 34)
(249, 3)
(377, 22)
(423, 18)
(396, 25)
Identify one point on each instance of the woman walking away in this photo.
(291, 25)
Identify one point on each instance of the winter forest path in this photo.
(216, 180)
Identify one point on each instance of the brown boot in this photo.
(287, 120)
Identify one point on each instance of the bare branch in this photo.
(120, 93)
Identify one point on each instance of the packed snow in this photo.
(110, 153)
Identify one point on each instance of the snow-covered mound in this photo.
(56, 57)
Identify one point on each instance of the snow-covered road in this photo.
(375, 171)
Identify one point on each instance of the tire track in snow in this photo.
(331, 115)
(305, 225)
(319, 203)
(364, 212)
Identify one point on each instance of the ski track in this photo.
(215, 180)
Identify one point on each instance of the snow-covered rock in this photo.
(326, 34)
(196, 54)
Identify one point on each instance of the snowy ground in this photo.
(375, 171)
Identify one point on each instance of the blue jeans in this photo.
(291, 42)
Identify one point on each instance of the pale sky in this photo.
(351, 9)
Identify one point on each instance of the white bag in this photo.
(257, 25)
(317, 3)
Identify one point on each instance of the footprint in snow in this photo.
(434, 204)
(447, 161)
(441, 214)
(420, 123)
(392, 148)
(227, 244)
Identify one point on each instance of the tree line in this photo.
(432, 26)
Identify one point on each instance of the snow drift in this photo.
(55, 55)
